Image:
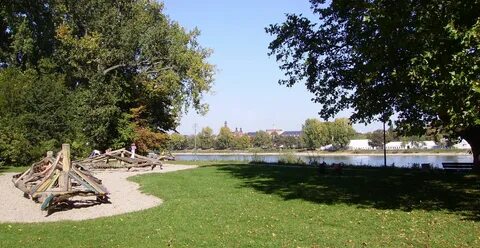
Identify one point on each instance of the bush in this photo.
(256, 159)
(290, 158)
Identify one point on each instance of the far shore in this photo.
(321, 154)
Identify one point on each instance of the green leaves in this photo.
(338, 133)
(262, 139)
(33, 115)
(315, 134)
(225, 139)
(383, 58)
(99, 61)
(206, 138)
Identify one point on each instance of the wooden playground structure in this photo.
(54, 180)
(121, 158)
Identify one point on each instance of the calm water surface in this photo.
(396, 160)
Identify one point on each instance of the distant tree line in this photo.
(206, 140)
(315, 134)
(376, 138)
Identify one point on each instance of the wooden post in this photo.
(122, 155)
(66, 165)
(49, 154)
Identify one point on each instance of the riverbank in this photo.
(319, 154)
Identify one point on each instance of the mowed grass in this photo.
(15, 169)
(265, 206)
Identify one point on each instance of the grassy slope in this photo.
(241, 205)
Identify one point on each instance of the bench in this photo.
(450, 166)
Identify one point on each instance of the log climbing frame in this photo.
(121, 158)
(54, 180)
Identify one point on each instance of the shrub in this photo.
(290, 158)
(256, 159)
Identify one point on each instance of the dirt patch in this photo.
(124, 196)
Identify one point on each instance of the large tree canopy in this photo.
(419, 60)
(121, 70)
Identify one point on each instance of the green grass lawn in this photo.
(264, 206)
(204, 162)
(17, 169)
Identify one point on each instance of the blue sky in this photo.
(246, 93)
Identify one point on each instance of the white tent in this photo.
(359, 145)
(462, 145)
(394, 145)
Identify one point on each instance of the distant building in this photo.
(292, 133)
(399, 145)
(327, 148)
(429, 144)
(251, 134)
(462, 145)
(394, 145)
(361, 144)
(274, 131)
(238, 132)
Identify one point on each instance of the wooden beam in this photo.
(66, 165)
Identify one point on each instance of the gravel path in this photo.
(124, 197)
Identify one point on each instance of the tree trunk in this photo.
(472, 136)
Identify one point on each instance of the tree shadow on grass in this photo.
(381, 188)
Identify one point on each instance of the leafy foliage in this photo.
(315, 134)
(33, 114)
(206, 138)
(418, 59)
(376, 137)
(242, 142)
(97, 74)
(341, 131)
(262, 139)
(225, 139)
(177, 142)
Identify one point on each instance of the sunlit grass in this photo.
(258, 206)
(18, 169)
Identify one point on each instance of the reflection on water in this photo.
(396, 160)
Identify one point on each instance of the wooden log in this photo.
(98, 187)
(39, 175)
(35, 188)
(117, 151)
(74, 193)
(21, 176)
(23, 187)
(57, 160)
(124, 159)
(64, 181)
(88, 179)
(44, 185)
(82, 182)
(54, 180)
(46, 202)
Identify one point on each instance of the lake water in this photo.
(397, 160)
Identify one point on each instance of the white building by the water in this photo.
(462, 145)
(361, 144)
(394, 145)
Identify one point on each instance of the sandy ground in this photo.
(124, 197)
